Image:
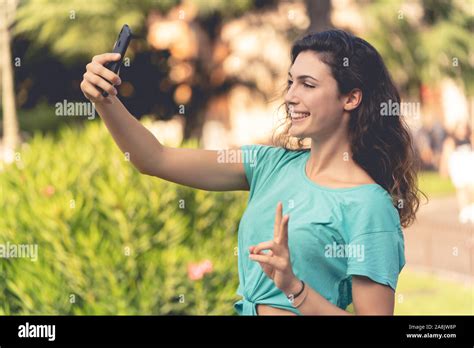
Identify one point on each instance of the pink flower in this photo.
(194, 271)
(48, 191)
(207, 266)
(197, 270)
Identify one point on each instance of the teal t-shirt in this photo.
(333, 233)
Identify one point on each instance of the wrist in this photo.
(293, 288)
(106, 101)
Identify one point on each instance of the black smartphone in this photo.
(120, 46)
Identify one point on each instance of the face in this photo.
(315, 106)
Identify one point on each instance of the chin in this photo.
(310, 130)
(298, 132)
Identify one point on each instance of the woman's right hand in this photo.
(94, 78)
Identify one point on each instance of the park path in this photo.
(437, 241)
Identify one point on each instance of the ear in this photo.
(352, 99)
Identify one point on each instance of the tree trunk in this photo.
(10, 122)
(319, 12)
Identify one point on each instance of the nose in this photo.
(290, 97)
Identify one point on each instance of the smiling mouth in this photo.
(296, 116)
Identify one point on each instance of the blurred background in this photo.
(206, 74)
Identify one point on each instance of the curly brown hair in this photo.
(381, 145)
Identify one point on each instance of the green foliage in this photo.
(434, 185)
(84, 28)
(81, 27)
(41, 118)
(120, 242)
(224, 8)
(416, 50)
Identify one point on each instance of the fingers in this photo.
(106, 57)
(252, 251)
(97, 78)
(103, 72)
(281, 230)
(267, 260)
(99, 82)
(269, 270)
(269, 245)
(262, 258)
(276, 228)
(92, 93)
(284, 230)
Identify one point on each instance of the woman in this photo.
(348, 196)
(457, 162)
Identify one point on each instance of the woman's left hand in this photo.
(276, 262)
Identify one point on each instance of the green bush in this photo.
(111, 241)
(42, 118)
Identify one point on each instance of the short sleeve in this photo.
(379, 256)
(249, 153)
(259, 162)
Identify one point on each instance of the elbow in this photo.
(143, 170)
(148, 169)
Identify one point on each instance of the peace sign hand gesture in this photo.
(276, 262)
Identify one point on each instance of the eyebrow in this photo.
(302, 77)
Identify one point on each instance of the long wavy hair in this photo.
(381, 145)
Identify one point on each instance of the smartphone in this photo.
(120, 46)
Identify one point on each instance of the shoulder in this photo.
(370, 210)
(262, 162)
(265, 155)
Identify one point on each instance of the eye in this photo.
(290, 82)
(307, 86)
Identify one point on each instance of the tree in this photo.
(64, 26)
(423, 41)
(10, 122)
(319, 14)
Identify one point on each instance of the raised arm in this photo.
(202, 169)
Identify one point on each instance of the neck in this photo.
(331, 157)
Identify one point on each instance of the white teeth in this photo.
(299, 114)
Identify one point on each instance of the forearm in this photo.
(129, 134)
(314, 303)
